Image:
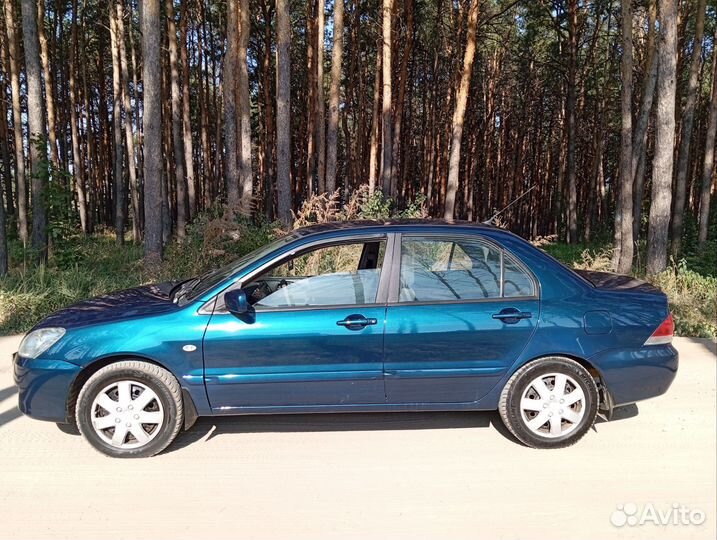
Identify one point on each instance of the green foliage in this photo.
(415, 208)
(569, 254)
(693, 300)
(377, 206)
(702, 260)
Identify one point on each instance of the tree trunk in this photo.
(664, 140)
(89, 165)
(184, 40)
(138, 126)
(5, 178)
(3, 238)
(167, 147)
(375, 127)
(320, 103)
(177, 130)
(571, 120)
(115, 11)
(460, 112)
(36, 128)
(49, 85)
(152, 128)
(230, 100)
(639, 140)
(245, 172)
(78, 169)
(622, 258)
(403, 80)
(283, 111)
(307, 125)
(688, 115)
(335, 96)
(708, 162)
(203, 99)
(20, 180)
(386, 128)
(128, 134)
(5, 119)
(269, 131)
(5, 133)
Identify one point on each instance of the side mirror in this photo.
(236, 302)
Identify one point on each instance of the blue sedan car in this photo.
(355, 316)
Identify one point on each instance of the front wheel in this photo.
(130, 409)
(549, 403)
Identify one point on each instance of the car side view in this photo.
(415, 315)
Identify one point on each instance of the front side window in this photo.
(436, 269)
(345, 274)
(211, 279)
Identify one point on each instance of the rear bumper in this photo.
(635, 374)
(43, 387)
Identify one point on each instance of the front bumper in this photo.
(43, 387)
(632, 375)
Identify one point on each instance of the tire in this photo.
(130, 409)
(543, 416)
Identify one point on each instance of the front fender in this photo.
(173, 341)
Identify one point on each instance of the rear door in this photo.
(461, 310)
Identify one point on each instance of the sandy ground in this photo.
(402, 475)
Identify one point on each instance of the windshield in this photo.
(208, 281)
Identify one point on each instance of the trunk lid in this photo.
(619, 283)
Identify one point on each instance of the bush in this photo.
(693, 300)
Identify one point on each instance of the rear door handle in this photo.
(511, 315)
(356, 322)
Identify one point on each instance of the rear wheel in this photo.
(130, 409)
(549, 403)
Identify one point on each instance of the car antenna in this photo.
(490, 221)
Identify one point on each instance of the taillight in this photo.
(664, 332)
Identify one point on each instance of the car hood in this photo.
(117, 306)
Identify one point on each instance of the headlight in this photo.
(38, 341)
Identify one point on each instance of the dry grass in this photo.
(598, 260)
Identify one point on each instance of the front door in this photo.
(461, 315)
(314, 336)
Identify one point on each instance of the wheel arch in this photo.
(190, 410)
(606, 402)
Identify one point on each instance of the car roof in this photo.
(388, 224)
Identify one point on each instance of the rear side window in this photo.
(437, 269)
(516, 282)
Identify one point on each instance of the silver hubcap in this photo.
(552, 405)
(127, 414)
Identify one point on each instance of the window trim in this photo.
(215, 305)
(393, 296)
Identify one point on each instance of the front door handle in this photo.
(511, 315)
(356, 322)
